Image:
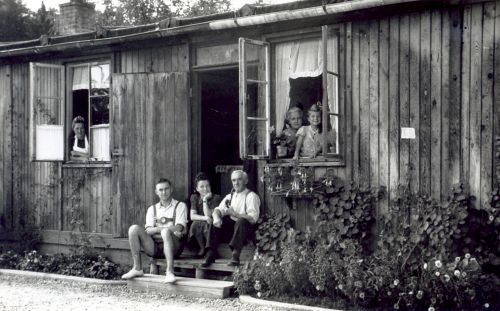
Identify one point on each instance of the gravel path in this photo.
(18, 293)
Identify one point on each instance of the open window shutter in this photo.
(330, 100)
(46, 112)
(254, 99)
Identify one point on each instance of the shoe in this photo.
(170, 277)
(201, 253)
(235, 259)
(132, 274)
(209, 259)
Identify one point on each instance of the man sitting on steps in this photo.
(167, 218)
(235, 217)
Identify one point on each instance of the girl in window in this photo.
(310, 137)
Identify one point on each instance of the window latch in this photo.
(117, 153)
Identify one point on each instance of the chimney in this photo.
(76, 16)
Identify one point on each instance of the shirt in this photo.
(312, 144)
(197, 203)
(241, 203)
(168, 212)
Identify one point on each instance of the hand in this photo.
(151, 230)
(210, 220)
(217, 221)
(231, 212)
(207, 197)
(178, 234)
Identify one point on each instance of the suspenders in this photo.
(231, 199)
(173, 217)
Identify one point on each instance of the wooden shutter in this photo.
(254, 99)
(150, 126)
(46, 112)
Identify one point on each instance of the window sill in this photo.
(94, 164)
(317, 162)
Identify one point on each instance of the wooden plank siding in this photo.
(5, 148)
(432, 71)
(153, 113)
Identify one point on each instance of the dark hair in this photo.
(163, 180)
(199, 177)
(77, 119)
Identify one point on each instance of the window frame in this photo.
(69, 66)
(242, 65)
(32, 116)
(337, 159)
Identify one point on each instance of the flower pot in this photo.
(281, 151)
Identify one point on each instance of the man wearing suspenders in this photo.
(166, 219)
(234, 218)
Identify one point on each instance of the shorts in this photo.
(178, 247)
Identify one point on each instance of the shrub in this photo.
(92, 266)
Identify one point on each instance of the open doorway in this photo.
(219, 125)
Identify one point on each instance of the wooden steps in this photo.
(187, 262)
(183, 286)
(219, 265)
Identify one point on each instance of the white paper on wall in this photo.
(408, 133)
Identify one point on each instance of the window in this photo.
(89, 99)
(47, 112)
(254, 99)
(52, 117)
(305, 73)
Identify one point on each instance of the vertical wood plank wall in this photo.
(5, 148)
(156, 127)
(433, 71)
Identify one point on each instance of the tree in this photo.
(42, 22)
(207, 7)
(139, 12)
(14, 21)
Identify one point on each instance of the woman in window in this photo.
(78, 142)
(203, 202)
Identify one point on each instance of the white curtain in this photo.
(100, 76)
(100, 142)
(294, 59)
(80, 78)
(283, 52)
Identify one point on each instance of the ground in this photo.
(18, 293)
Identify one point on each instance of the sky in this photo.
(34, 5)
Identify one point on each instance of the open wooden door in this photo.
(150, 140)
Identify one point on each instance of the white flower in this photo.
(438, 264)
(486, 305)
(457, 259)
(437, 273)
(259, 294)
(420, 294)
(446, 277)
(431, 309)
(467, 255)
(425, 266)
(396, 282)
(340, 286)
(456, 273)
(318, 288)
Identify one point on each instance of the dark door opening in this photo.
(219, 125)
